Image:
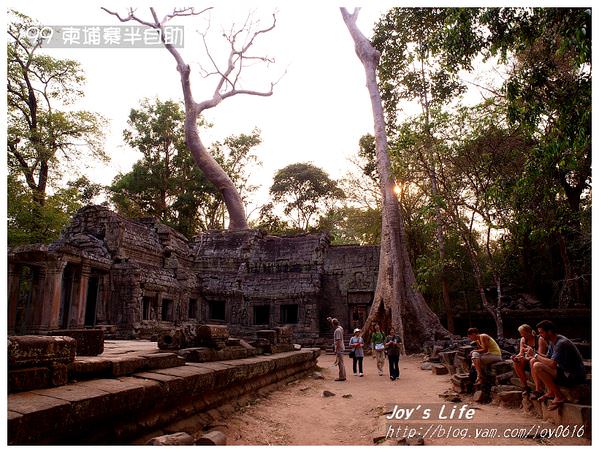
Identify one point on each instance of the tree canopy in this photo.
(46, 136)
(304, 191)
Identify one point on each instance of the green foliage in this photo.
(166, 183)
(304, 191)
(46, 137)
(28, 222)
(351, 225)
(519, 162)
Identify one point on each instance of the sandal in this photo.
(555, 405)
(535, 394)
(546, 396)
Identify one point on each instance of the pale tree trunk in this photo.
(225, 87)
(397, 302)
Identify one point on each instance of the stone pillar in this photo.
(50, 298)
(79, 301)
(13, 283)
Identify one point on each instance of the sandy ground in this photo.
(299, 414)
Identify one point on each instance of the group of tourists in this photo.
(552, 360)
(381, 345)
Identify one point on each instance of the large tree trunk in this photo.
(203, 159)
(225, 88)
(397, 302)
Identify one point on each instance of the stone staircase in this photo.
(503, 388)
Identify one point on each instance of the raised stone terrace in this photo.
(134, 389)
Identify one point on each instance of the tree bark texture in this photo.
(397, 301)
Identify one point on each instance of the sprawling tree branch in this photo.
(226, 87)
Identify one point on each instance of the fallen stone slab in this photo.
(427, 366)
(161, 360)
(511, 398)
(212, 335)
(439, 369)
(212, 438)
(172, 439)
(90, 342)
(40, 350)
(317, 375)
(328, 394)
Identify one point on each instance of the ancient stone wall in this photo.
(139, 277)
(349, 282)
(262, 281)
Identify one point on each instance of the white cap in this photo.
(356, 330)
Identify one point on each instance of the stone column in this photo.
(13, 283)
(79, 301)
(50, 298)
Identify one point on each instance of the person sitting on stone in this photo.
(488, 352)
(563, 366)
(528, 338)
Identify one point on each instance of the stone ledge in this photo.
(66, 414)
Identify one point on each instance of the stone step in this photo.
(439, 369)
(113, 411)
(122, 365)
(572, 415)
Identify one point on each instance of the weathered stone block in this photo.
(511, 398)
(580, 394)
(212, 335)
(212, 438)
(39, 350)
(172, 439)
(88, 368)
(278, 348)
(270, 335)
(58, 374)
(172, 339)
(448, 357)
(577, 414)
(439, 369)
(38, 416)
(478, 396)
(28, 379)
(122, 366)
(162, 360)
(504, 366)
(90, 342)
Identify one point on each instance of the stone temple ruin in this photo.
(138, 278)
(225, 312)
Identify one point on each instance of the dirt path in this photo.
(300, 415)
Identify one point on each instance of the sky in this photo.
(317, 113)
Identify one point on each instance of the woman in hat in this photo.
(356, 344)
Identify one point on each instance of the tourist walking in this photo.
(356, 343)
(392, 345)
(377, 344)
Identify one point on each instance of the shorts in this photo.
(566, 379)
(487, 358)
